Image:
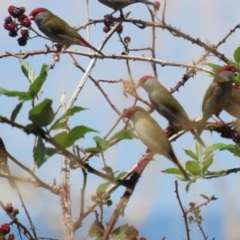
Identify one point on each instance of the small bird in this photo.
(120, 4)
(3, 163)
(233, 106)
(57, 29)
(167, 105)
(218, 93)
(152, 135)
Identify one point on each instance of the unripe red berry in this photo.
(11, 237)
(108, 20)
(23, 16)
(156, 5)
(11, 9)
(22, 9)
(16, 12)
(12, 33)
(6, 26)
(106, 29)
(8, 19)
(119, 29)
(9, 207)
(5, 228)
(22, 41)
(12, 26)
(26, 22)
(24, 33)
(127, 39)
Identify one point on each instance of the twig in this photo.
(183, 211)
(91, 66)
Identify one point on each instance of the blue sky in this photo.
(153, 208)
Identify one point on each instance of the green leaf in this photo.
(21, 95)
(175, 171)
(94, 150)
(68, 139)
(204, 196)
(16, 111)
(70, 112)
(232, 63)
(36, 86)
(237, 55)
(207, 163)
(48, 152)
(214, 67)
(103, 187)
(193, 167)
(124, 232)
(123, 134)
(59, 125)
(79, 132)
(191, 154)
(188, 186)
(41, 149)
(62, 139)
(101, 143)
(42, 114)
(199, 149)
(27, 70)
(96, 230)
(119, 176)
(229, 147)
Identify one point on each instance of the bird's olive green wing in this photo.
(164, 102)
(59, 27)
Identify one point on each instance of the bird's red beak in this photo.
(30, 17)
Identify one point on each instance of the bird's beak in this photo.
(30, 17)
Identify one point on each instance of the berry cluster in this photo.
(5, 227)
(13, 25)
(108, 22)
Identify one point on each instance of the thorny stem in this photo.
(131, 183)
(183, 211)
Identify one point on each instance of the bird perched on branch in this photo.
(166, 105)
(4, 164)
(120, 4)
(58, 30)
(218, 93)
(152, 135)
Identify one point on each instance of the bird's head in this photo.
(36, 11)
(134, 113)
(225, 73)
(148, 83)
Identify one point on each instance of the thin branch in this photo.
(183, 211)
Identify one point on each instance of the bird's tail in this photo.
(4, 164)
(174, 159)
(197, 137)
(146, 2)
(86, 44)
(10, 180)
(200, 126)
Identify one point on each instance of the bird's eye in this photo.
(235, 74)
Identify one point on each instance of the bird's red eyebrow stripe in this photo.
(130, 112)
(143, 79)
(36, 11)
(231, 68)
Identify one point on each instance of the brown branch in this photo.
(183, 211)
(131, 183)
